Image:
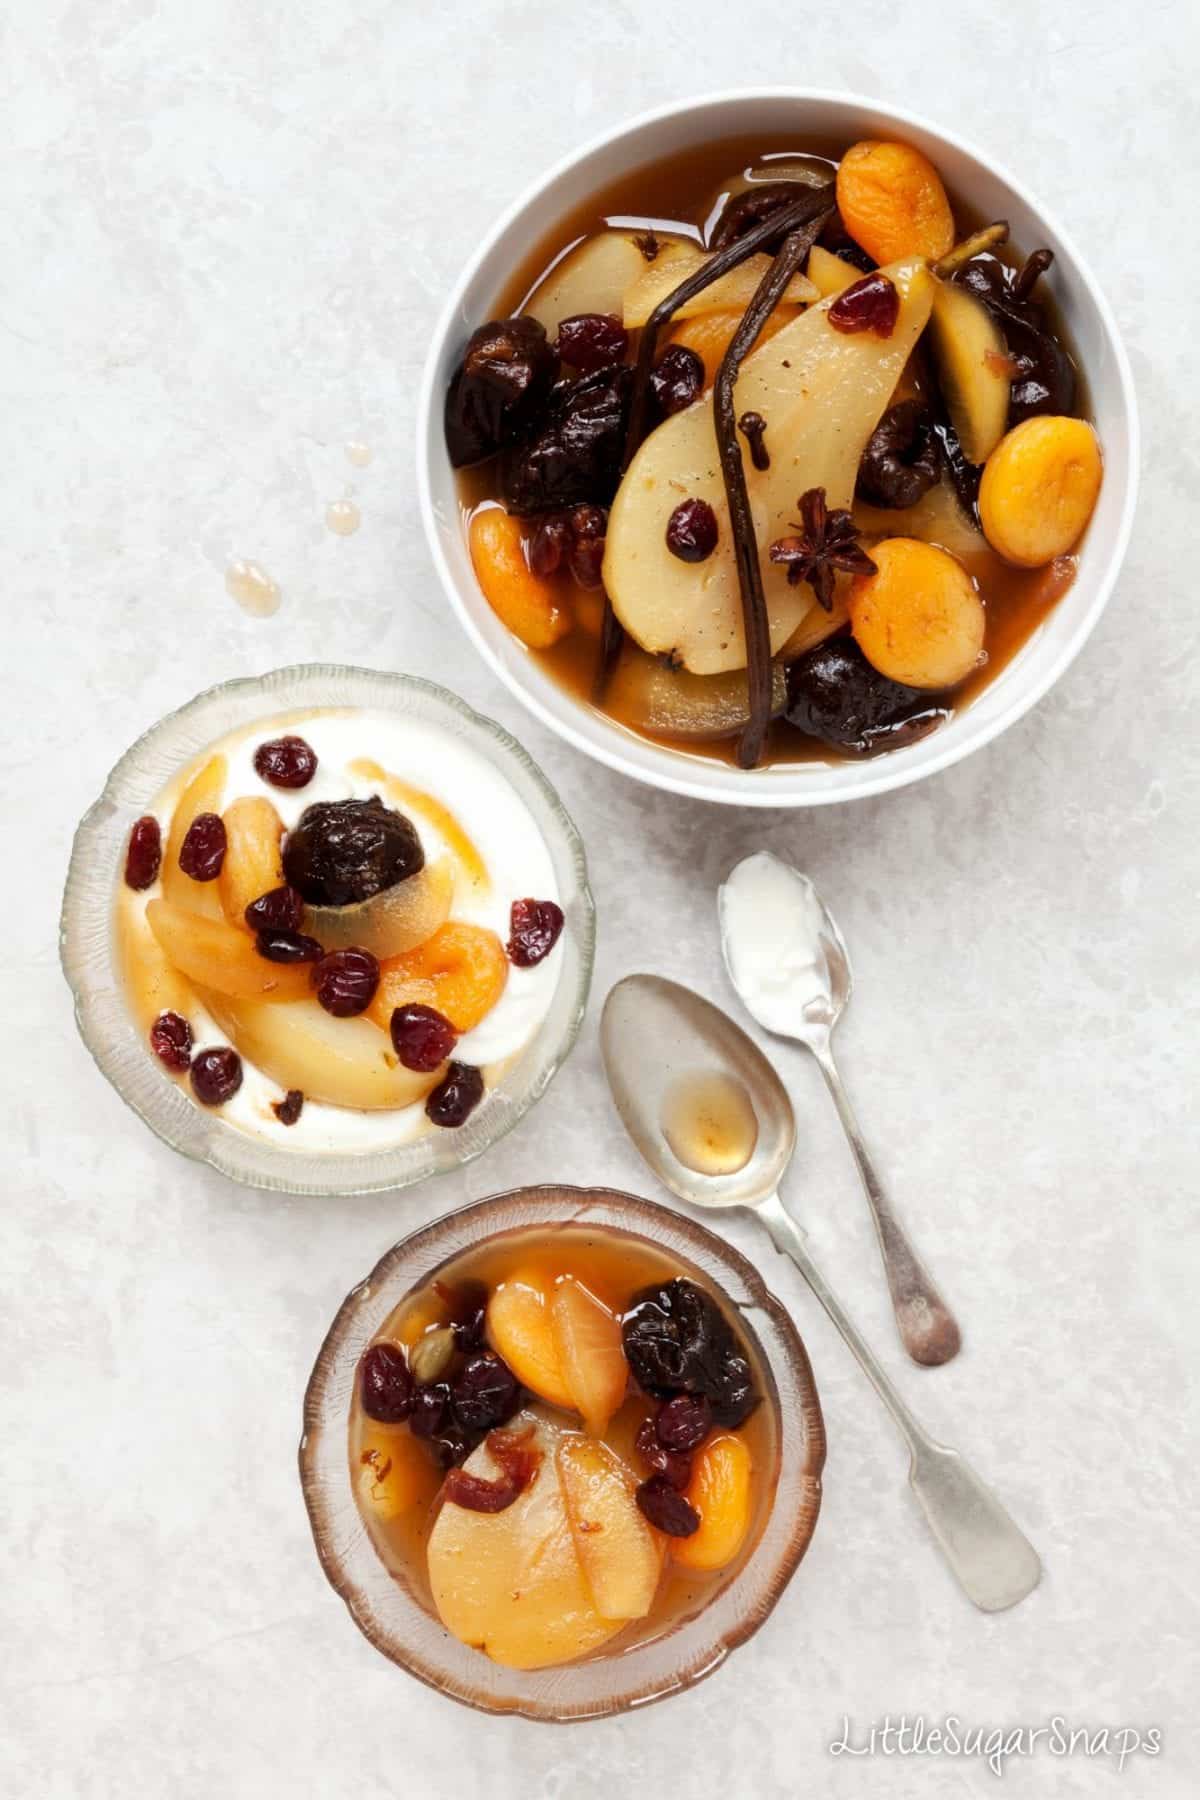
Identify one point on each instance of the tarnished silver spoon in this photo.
(786, 959)
(714, 1122)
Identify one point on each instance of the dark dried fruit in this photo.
(591, 341)
(836, 695)
(837, 239)
(902, 459)
(550, 543)
(753, 428)
(585, 556)
(282, 909)
(677, 1340)
(143, 857)
(666, 1508)
(965, 476)
(465, 1303)
(534, 928)
(285, 762)
(288, 1110)
(684, 1422)
(203, 849)
(575, 454)
(344, 851)
(450, 1446)
(485, 1393)
(385, 1385)
(1045, 378)
(456, 1096)
(677, 380)
(216, 1075)
(674, 1464)
(692, 531)
(346, 981)
(753, 206)
(288, 947)
(871, 304)
(422, 1037)
(826, 544)
(499, 389)
(430, 1408)
(518, 1458)
(171, 1041)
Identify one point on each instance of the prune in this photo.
(288, 1110)
(1045, 379)
(591, 341)
(203, 848)
(872, 304)
(692, 531)
(684, 1422)
(288, 947)
(171, 1041)
(835, 238)
(466, 1308)
(677, 1340)
(674, 1464)
(216, 1075)
(143, 857)
(499, 389)
(282, 909)
(450, 1446)
(486, 1393)
(748, 209)
(456, 1096)
(666, 1508)
(575, 454)
(285, 762)
(964, 476)
(385, 1385)
(534, 929)
(836, 695)
(344, 851)
(346, 981)
(902, 459)
(430, 1408)
(676, 380)
(422, 1037)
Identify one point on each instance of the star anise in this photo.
(826, 541)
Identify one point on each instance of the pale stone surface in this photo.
(228, 229)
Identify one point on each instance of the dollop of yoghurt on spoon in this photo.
(784, 953)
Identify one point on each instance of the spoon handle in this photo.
(928, 1329)
(994, 1561)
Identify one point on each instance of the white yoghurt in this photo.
(772, 923)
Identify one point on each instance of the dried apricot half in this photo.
(892, 201)
(532, 606)
(461, 971)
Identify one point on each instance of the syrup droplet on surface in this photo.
(709, 1121)
(343, 517)
(358, 453)
(252, 588)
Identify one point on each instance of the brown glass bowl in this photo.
(396, 1622)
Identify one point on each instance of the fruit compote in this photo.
(773, 452)
(339, 929)
(563, 1445)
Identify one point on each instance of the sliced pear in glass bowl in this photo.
(392, 922)
(344, 1062)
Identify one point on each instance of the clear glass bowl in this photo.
(396, 1623)
(106, 1023)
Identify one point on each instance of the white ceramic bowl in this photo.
(793, 114)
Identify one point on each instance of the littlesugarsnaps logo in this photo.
(995, 1744)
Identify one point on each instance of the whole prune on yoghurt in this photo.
(902, 459)
(836, 695)
(343, 851)
(678, 1341)
(575, 453)
(499, 388)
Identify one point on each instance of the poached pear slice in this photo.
(644, 693)
(593, 277)
(973, 367)
(822, 392)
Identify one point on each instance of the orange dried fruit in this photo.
(919, 618)
(720, 1492)
(710, 334)
(461, 971)
(253, 864)
(1039, 488)
(892, 201)
(534, 607)
(587, 1341)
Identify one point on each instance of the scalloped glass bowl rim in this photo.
(1053, 645)
(400, 1628)
(107, 1027)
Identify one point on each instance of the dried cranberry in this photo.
(285, 762)
(575, 455)
(684, 1422)
(676, 380)
(346, 981)
(344, 851)
(677, 1340)
(143, 857)
(216, 1075)
(534, 929)
(456, 1096)
(674, 1464)
(288, 947)
(171, 1041)
(422, 1037)
(838, 697)
(450, 1446)
(666, 1508)
(282, 909)
(385, 1385)
(692, 531)
(430, 1408)
(550, 543)
(288, 1110)
(871, 304)
(203, 849)
(485, 1393)
(591, 340)
(499, 389)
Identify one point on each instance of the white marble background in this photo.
(226, 231)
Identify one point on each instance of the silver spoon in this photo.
(660, 1040)
(765, 905)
